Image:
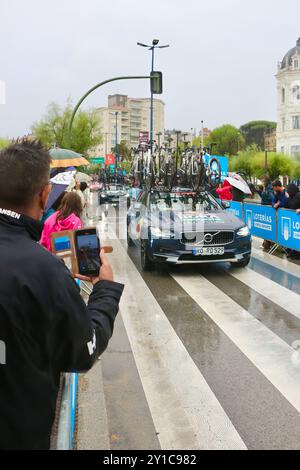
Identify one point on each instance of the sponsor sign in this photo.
(236, 208)
(289, 229)
(110, 159)
(97, 160)
(143, 138)
(223, 162)
(261, 221)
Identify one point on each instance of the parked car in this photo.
(113, 194)
(183, 227)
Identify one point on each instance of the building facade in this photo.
(124, 118)
(288, 103)
(171, 136)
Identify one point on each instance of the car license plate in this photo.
(209, 251)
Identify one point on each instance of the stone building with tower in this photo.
(288, 102)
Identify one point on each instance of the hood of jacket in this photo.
(58, 225)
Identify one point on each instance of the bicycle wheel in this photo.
(214, 173)
(150, 177)
(194, 176)
(169, 175)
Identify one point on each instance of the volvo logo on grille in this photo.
(208, 238)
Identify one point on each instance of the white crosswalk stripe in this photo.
(271, 355)
(192, 417)
(187, 407)
(280, 295)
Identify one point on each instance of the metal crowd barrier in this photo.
(68, 407)
(67, 418)
(281, 226)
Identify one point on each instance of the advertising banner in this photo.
(110, 159)
(261, 221)
(223, 162)
(289, 229)
(236, 208)
(97, 160)
(143, 138)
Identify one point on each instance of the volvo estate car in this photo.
(183, 227)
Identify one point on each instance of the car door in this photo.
(141, 215)
(134, 217)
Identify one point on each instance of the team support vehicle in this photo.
(182, 226)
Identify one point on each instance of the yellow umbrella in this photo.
(64, 158)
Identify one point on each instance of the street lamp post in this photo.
(178, 133)
(159, 134)
(106, 133)
(202, 136)
(192, 131)
(116, 151)
(152, 48)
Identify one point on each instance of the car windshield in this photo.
(188, 201)
(115, 187)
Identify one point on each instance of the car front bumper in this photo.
(167, 251)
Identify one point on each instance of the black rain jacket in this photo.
(45, 329)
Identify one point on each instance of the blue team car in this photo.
(184, 227)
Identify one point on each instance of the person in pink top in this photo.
(225, 193)
(66, 218)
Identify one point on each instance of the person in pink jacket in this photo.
(225, 193)
(66, 218)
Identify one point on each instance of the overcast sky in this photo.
(220, 66)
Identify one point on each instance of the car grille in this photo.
(217, 238)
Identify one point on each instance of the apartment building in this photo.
(124, 118)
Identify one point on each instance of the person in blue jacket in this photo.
(280, 198)
(266, 192)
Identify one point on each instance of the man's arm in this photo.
(78, 333)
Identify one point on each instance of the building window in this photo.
(295, 150)
(296, 122)
(283, 95)
(283, 124)
(296, 64)
(296, 93)
(282, 149)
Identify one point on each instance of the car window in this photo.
(202, 202)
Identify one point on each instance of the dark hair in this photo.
(276, 184)
(292, 190)
(58, 201)
(70, 204)
(83, 186)
(24, 172)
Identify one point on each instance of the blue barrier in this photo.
(261, 221)
(236, 208)
(288, 234)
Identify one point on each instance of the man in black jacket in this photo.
(45, 326)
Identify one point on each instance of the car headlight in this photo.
(156, 232)
(243, 232)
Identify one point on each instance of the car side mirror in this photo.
(225, 204)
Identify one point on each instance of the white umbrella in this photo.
(238, 182)
(82, 177)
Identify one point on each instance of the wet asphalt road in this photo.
(202, 356)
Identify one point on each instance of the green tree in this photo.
(3, 142)
(53, 128)
(123, 150)
(254, 132)
(228, 140)
(243, 162)
(278, 164)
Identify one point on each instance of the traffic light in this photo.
(156, 83)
